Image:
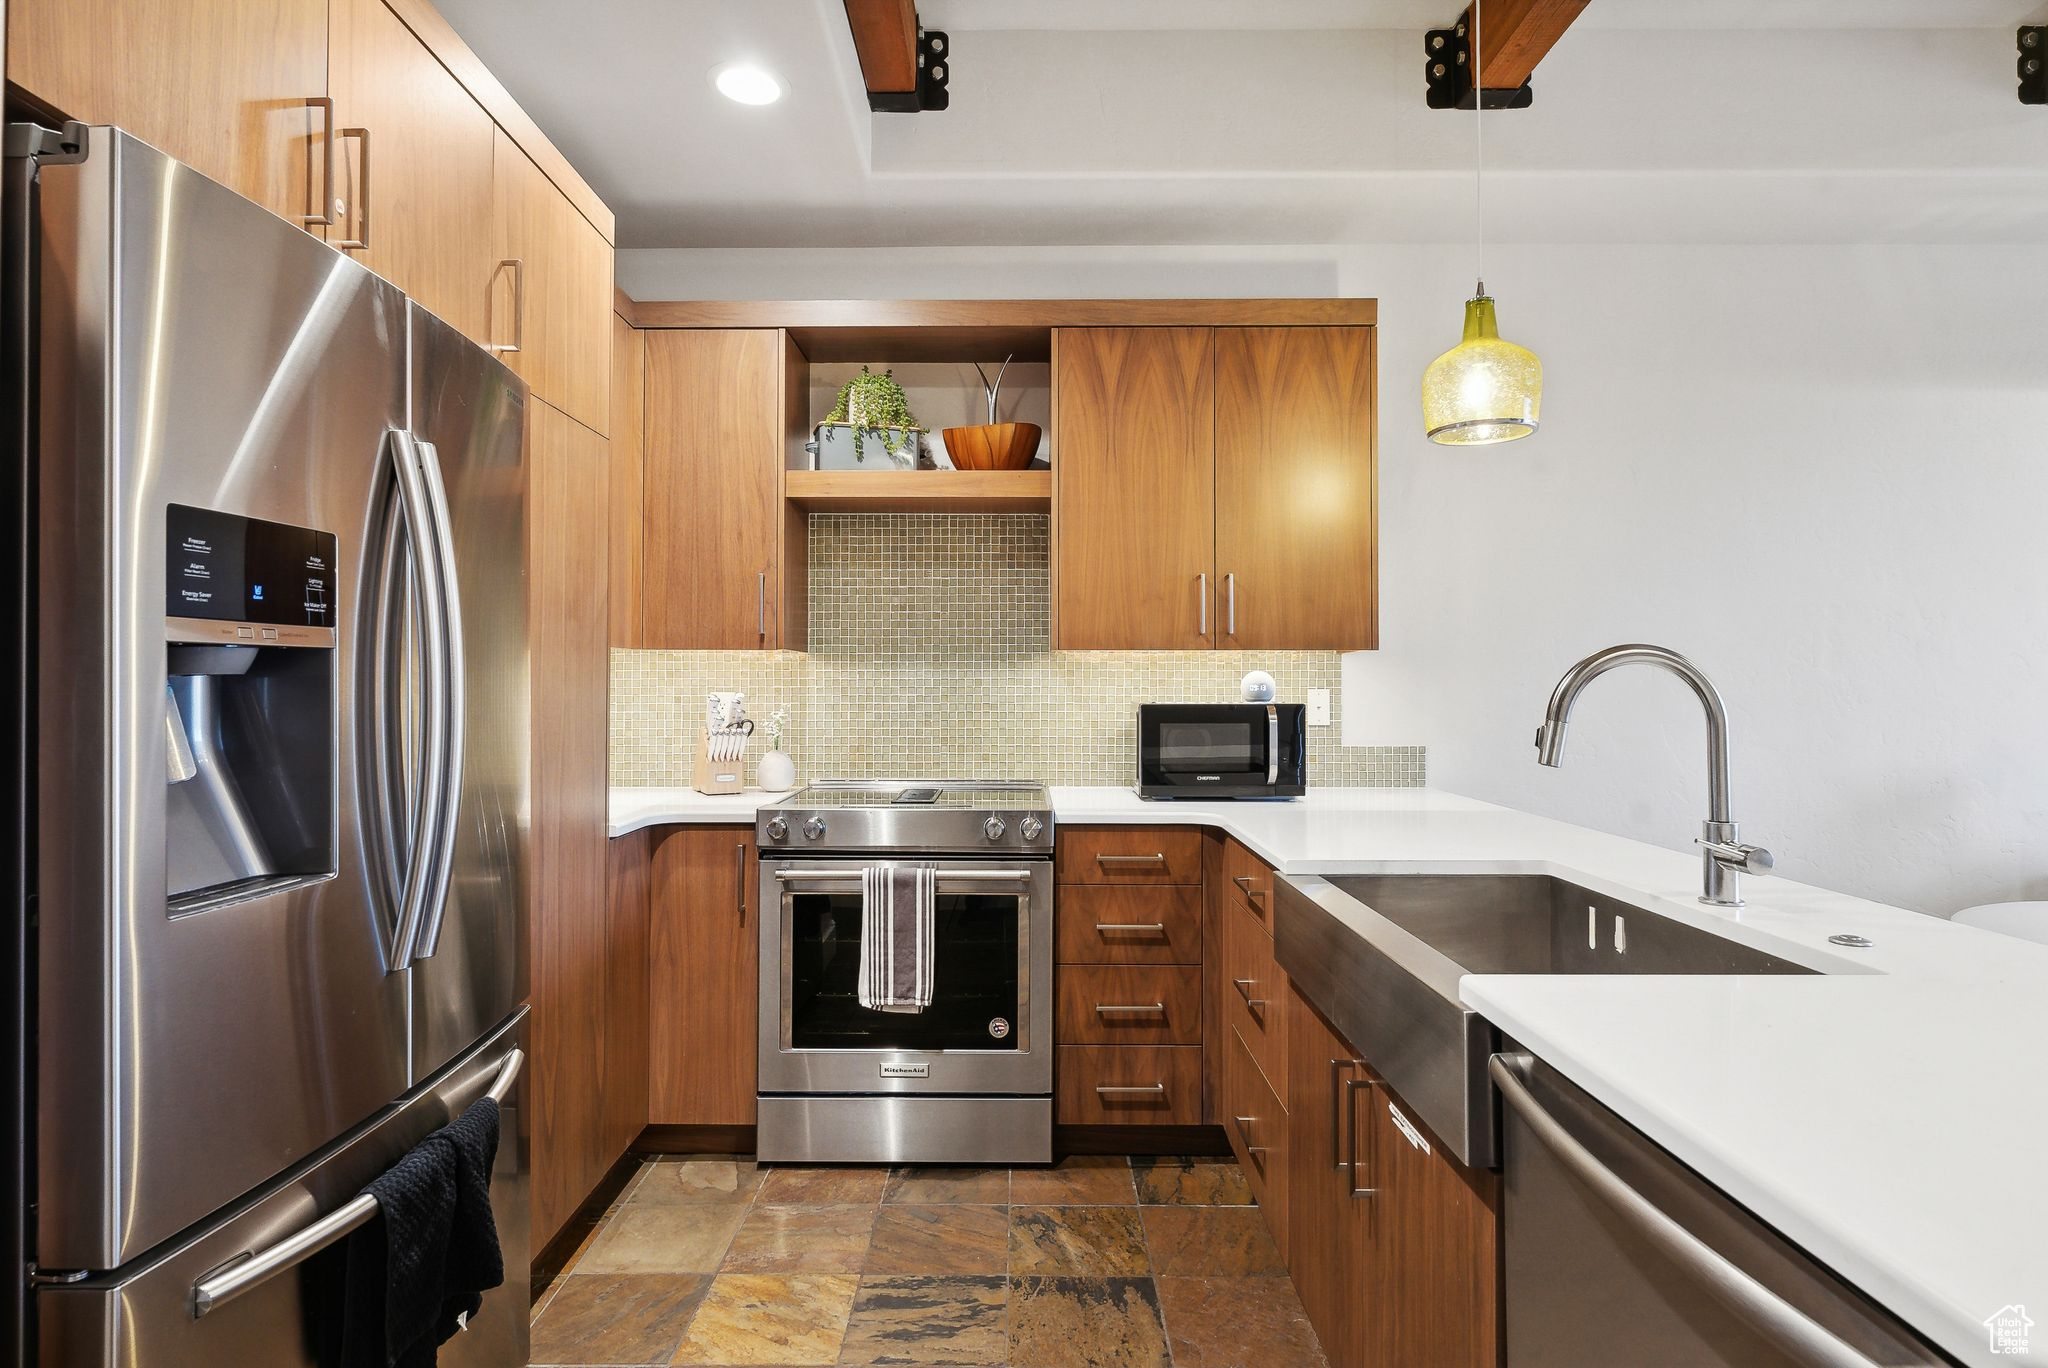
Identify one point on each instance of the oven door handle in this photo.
(945, 875)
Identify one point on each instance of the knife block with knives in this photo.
(720, 763)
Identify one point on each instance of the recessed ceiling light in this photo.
(747, 83)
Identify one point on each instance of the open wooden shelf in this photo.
(919, 491)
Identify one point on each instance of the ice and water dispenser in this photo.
(249, 705)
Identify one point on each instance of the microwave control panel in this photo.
(227, 568)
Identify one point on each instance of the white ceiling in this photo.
(1089, 122)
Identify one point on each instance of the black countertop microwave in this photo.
(1222, 750)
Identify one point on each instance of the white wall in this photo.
(1822, 472)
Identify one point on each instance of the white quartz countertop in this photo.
(1888, 1117)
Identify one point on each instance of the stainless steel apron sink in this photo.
(1381, 955)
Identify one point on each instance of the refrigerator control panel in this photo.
(227, 568)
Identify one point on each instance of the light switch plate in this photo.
(1319, 707)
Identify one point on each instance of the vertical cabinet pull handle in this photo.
(1338, 1094)
(518, 342)
(325, 217)
(1230, 604)
(761, 605)
(1353, 1086)
(739, 861)
(1202, 604)
(360, 242)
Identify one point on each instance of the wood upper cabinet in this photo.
(1134, 489)
(1214, 487)
(629, 408)
(222, 85)
(572, 950)
(417, 178)
(703, 989)
(1295, 489)
(550, 296)
(711, 497)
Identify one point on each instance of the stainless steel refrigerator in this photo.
(273, 768)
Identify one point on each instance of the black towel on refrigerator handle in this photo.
(420, 1268)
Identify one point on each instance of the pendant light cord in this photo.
(1478, 153)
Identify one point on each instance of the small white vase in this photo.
(777, 772)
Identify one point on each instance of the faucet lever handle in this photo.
(1743, 859)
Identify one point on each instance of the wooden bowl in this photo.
(993, 446)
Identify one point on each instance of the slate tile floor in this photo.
(1094, 1263)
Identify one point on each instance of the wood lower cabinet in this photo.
(1295, 489)
(1329, 1244)
(1390, 1241)
(626, 1033)
(417, 180)
(1255, 1118)
(572, 947)
(1127, 1085)
(711, 493)
(1434, 1251)
(703, 984)
(550, 296)
(1129, 1020)
(1134, 489)
(223, 85)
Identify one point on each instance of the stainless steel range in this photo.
(968, 1079)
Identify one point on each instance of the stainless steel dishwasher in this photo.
(1615, 1253)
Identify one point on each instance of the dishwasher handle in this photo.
(1763, 1310)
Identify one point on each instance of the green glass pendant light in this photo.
(1484, 389)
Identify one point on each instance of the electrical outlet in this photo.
(1319, 707)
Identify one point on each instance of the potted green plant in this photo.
(868, 406)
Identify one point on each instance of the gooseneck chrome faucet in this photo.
(1723, 857)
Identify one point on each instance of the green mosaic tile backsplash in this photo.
(931, 656)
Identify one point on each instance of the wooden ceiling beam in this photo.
(885, 37)
(1517, 34)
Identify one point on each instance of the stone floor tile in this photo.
(1190, 1182)
(1204, 1242)
(1102, 1241)
(1077, 1180)
(766, 1318)
(663, 1239)
(801, 1239)
(939, 1239)
(1237, 1323)
(920, 1320)
(1085, 1323)
(617, 1318)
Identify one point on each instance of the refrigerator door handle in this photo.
(426, 569)
(250, 1271)
(453, 705)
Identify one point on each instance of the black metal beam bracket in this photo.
(2033, 63)
(934, 72)
(1447, 71)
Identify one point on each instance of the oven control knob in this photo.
(777, 829)
(994, 828)
(814, 828)
(1032, 828)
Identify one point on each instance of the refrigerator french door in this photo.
(280, 770)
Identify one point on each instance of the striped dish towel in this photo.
(897, 908)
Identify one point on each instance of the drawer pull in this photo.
(1145, 1008)
(1244, 1133)
(1130, 1089)
(1149, 928)
(1244, 990)
(1244, 883)
(1351, 1086)
(1156, 858)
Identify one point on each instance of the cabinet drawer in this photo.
(1257, 1126)
(1127, 1085)
(1124, 924)
(1248, 882)
(1255, 991)
(1129, 1004)
(1129, 855)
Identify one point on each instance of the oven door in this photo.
(1220, 750)
(989, 1027)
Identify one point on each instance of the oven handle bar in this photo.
(945, 875)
